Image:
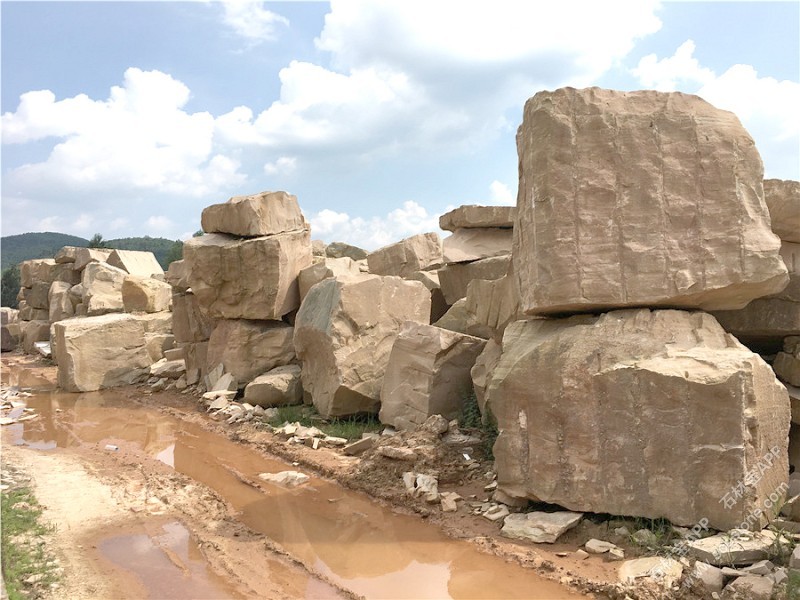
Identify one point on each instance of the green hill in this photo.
(16, 248)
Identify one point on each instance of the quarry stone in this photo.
(37, 330)
(247, 348)
(145, 294)
(430, 279)
(102, 288)
(253, 278)
(467, 245)
(9, 328)
(783, 201)
(471, 216)
(134, 262)
(610, 414)
(455, 278)
(344, 334)
(490, 306)
(177, 275)
(455, 319)
(257, 215)
(190, 323)
(416, 253)
(342, 249)
(539, 527)
(84, 256)
(59, 301)
(37, 270)
(328, 267)
(279, 387)
(36, 296)
(639, 199)
(428, 373)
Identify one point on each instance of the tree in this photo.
(175, 252)
(198, 233)
(10, 286)
(97, 241)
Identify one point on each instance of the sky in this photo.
(128, 118)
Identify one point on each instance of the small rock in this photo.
(336, 442)
(751, 587)
(615, 554)
(595, 546)
(397, 453)
(581, 554)
(491, 487)
(645, 537)
(410, 481)
(285, 478)
(794, 559)
(736, 547)
(762, 567)
(448, 503)
(359, 446)
(658, 568)
(709, 577)
(779, 575)
(622, 531)
(497, 512)
(435, 424)
(540, 527)
(218, 404)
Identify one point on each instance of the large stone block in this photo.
(471, 216)
(639, 199)
(327, 267)
(34, 331)
(416, 253)
(455, 278)
(490, 306)
(467, 245)
(651, 414)
(764, 322)
(100, 352)
(252, 278)
(177, 275)
(60, 302)
(783, 201)
(37, 270)
(189, 322)
(258, 215)
(102, 288)
(344, 333)
(428, 373)
(279, 387)
(84, 256)
(430, 279)
(342, 249)
(36, 296)
(134, 262)
(9, 329)
(247, 349)
(145, 294)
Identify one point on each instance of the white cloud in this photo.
(158, 223)
(500, 193)
(664, 75)
(118, 223)
(138, 138)
(371, 233)
(249, 19)
(83, 222)
(285, 165)
(767, 107)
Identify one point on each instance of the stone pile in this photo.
(237, 289)
(642, 201)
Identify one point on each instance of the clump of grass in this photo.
(350, 428)
(793, 585)
(24, 557)
(484, 425)
(661, 528)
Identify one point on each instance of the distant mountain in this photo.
(16, 248)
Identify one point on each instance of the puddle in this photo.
(167, 564)
(358, 544)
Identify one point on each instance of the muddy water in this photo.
(359, 545)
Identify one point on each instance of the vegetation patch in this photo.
(28, 569)
(350, 428)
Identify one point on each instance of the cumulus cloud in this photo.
(767, 107)
(500, 193)
(250, 20)
(140, 137)
(284, 165)
(374, 232)
(158, 223)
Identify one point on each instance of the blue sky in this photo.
(127, 118)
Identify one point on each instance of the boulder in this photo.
(539, 527)
(134, 262)
(177, 275)
(764, 322)
(279, 387)
(37, 270)
(253, 278)
(9, 329)
(610, 414)
(102, 288)
(787, 363)
(455, 319)
(84, 256)
(735, 547)
(170, 369)
(100, 352)
(490, 306)
(328, 267)
(34, 331)
(481, 373)
(467, 245)
(318, 248)
(59, 301)
(66, 255)
(430, 279)
(344, 334)
(639, 199)
(247, 348)
(416, 253)
(36, 296)
(783, 201)
(342, 250)
(258, 215)
(145, 294)
(455, 278)
(189, 322)
(66, 273)
(428, 373)
(196, 358)
(471, 216)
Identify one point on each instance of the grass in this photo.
(23, 552)
(350, 428)
(793, 585)
(485, 426)
(661, 528)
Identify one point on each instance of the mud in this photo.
(204, 530)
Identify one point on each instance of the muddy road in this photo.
(148, 503)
